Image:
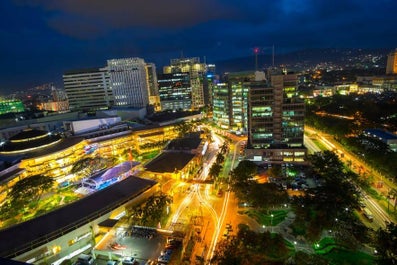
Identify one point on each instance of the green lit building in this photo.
(230, 102)
(239, 84)
(221, 106)
(11, 106)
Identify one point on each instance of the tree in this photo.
(275, 171)
(80, 165)
(242, 178)
(326, 164)
(220, 158)
(88, 165)
(245, 171)
(215, 170)
(228, 253)
(386, 242)
(321, 206)
(30, 189)
(184, 128)
(266, 195)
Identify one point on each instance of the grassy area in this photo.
(149, 155)
(325, 245)
(344, 257)
(273, 217)
(329, 249)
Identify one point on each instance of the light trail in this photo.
(379, 211)
(311, 145)
(187, 200)
(327, 143)
(225, 205)
(208, 205)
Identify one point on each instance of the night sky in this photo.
(41, 39)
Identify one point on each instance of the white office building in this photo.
(128, 81)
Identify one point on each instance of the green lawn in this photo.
(327, 248)
(344, 257)
(265, 217)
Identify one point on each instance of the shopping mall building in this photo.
(74, 227)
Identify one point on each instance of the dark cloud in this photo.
(43, 38)
(98, 16)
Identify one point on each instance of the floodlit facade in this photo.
(129, 83)
(88, 90)
(153, 90)
(391, 67)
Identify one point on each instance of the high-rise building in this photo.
(239, 84)
(391, 67)
(128, 80)
(230, 101)
(175, 91)
(275, 120)
(209, 81)
(153, 90)
(221, 105)
(196, 71)
(88, 90)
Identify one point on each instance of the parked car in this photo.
(163, 259)
(113, 262)
(128, 261)
(85, 259)
(117, 246)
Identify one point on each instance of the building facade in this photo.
(230, 101)
(221, 105)
(129, 83)
(276, 120)
(196, 71)
(88, 90)
(153, 90)
(391, 67)
(11, 106)
(175, 91)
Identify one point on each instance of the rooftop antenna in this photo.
(181, 54)
(256, 52)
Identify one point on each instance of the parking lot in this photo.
(141, 244)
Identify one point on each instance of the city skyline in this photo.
(43, 39)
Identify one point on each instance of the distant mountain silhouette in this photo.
(347, 58)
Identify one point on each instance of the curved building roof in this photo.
(28, 134)
(29, 140)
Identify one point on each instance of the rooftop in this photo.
(186, 143)
(19, 238)
(169, 162)
(59, 146)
